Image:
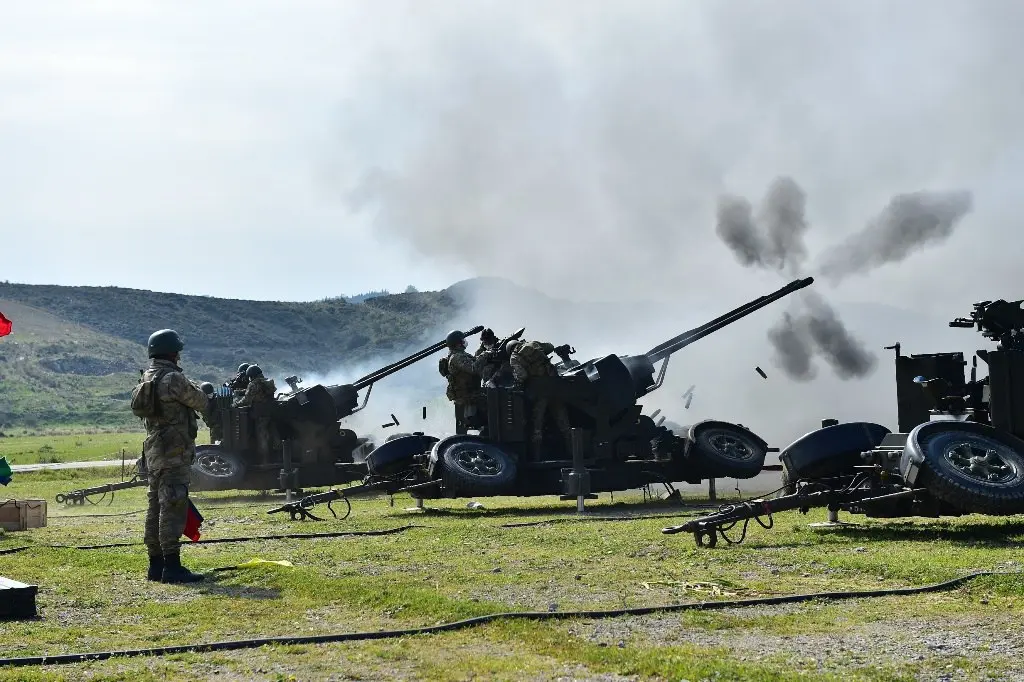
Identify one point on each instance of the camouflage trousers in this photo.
(541, 407)
(168, 507)
(465, 410)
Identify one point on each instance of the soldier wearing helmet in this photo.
(529, 359)
(168, 452)
(258, 389)
(463, 373)
(488, 342)
(211, 417)
(240, 381)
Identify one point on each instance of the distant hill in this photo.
(75, 351)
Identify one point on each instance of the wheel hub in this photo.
(478, 462)
(730, 446)
(980, 461)
(214, 465)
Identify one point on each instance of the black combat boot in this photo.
(156, 567)
(174, 572)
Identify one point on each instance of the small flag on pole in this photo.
(193, 520)
(5, 325)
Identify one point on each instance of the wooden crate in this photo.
(17, 600)
(22, 514)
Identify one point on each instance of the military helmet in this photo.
(242, 367)
(206, 387)
(165, 342)
(455, 337)
(253, 371)
(511, 346)
(488, 335)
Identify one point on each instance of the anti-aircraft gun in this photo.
(293, 441)
(959, 449)
(611, 446)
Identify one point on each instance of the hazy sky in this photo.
(294, 150)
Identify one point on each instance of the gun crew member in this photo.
(463, 373)
(529, 359)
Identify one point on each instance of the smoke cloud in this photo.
(580, 153)
(908, 223)
(776, 241)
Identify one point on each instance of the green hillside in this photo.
(75, 352)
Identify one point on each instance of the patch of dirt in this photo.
(996, 641)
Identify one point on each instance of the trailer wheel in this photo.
(788, 481)
(728, 451)
(832, 450)
(476, 468)
(970, 466)
(216, 469)
(395, 436)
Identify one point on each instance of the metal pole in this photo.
(576, 437)
(286, 469)
(711, 490)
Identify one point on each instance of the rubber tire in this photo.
(716, 465)
(396, 456)
(788, 481)
(458, 479)
(927, 441)
(203, 480)
(832, 450)
(395, 436)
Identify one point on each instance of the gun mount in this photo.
(959, 449)
(1001, 321)
(610, 445)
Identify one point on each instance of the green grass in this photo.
(462, 563)
(80, 447)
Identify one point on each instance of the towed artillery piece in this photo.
(293, 441)
(612, 445)
(959, 449)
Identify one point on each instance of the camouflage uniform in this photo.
(239, 383)
(169, 449)
(464, 385)
(530, 359)
(260, 390)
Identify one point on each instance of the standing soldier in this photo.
(259, 390)
(168, 403)
(529, 359)
(463, 373)
(211, 416)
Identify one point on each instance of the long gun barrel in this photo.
(346, 396)
(663, 350)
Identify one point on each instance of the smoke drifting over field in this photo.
(581, 152)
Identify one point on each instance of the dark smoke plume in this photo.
(845, 354)
(779, 245)
(909, 223)
(793, 351)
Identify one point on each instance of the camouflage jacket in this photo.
(484, 347)
(464, 374)
(171, 437)
(531, 360)
(239, 382)
(258, 390)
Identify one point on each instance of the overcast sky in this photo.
(301, 149)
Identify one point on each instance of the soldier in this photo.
(488, 342)
(529, 359)
(211, 417)
(168, 451)
(241, 380)
(463, 373)
(259, 388)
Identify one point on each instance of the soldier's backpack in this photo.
(145, 403)
(442, 366)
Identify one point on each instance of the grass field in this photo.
(459, 562)
(76, 447)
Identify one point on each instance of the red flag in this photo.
(5, 325)
(193, 519)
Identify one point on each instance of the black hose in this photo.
(213, 541)
(580, 519)
(231, 645)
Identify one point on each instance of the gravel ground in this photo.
(935, 647)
